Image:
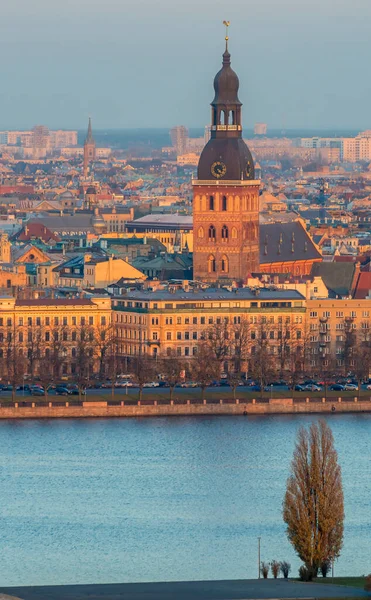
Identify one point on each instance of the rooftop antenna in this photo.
(227, 24)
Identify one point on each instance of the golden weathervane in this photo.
(227, 24)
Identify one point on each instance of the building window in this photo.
(178, 335)
(168, 335)
(103, 321)
(38, 321)
(225, 232)
(20, 321)
(29, 321)
(47, 336)
(212, 233)
(211, 264)
(234, 233)
(211, 202)
(179, 320)
(155, 335)
(201, 232)
(225, 265)
(224, 203)
(91, 321)
(64, 321)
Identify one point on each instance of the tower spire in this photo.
(89, 150)
(89, 137)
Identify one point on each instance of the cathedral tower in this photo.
(226, 193)
(89, 150)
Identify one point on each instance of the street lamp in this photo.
(259, 557)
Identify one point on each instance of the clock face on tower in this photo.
(218, 169)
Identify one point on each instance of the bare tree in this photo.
(205, 367)
(113, 360)
(313, 507)
(84, 358)
(34, 343)
(218, 338)
(262, 361)
(143, 369)
(103, 339)
(172, 368)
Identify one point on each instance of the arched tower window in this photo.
(225, 264)
(212, 233)
(211, 203)
(201, 232)
(211, 264)
(234, 233)
(224, 202)
(225, 232)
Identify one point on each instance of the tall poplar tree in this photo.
(313, 507)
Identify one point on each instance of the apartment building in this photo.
(335, 327)
(162, 321)
(32, 328)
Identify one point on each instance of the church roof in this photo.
(286, 242)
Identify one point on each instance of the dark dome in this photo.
(91, 190)
(233, 153)
(226, 83)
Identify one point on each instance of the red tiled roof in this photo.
(363, 285)
(345, 259)
(36, 230)
(55, 302)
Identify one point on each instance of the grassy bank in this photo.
(355, 582)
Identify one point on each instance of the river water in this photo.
(99, 501)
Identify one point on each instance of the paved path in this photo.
(251, 589)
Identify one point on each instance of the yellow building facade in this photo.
(160, 322)
(32, 328)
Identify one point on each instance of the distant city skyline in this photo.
(301, 64)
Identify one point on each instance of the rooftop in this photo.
(216, 294)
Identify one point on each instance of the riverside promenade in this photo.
(249, 589)
(41, 409)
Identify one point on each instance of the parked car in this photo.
(337, 387)
(300, 388)
(312, 387)
(37, 391)
(23, 388)
(62, 390)
(151, 384)
(189, 384)
(74, 390)
(255, 388)
(368, 387)
(350, 387)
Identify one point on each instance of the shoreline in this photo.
(243, 589)
(224, 407)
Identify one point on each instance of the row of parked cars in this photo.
(38, 390)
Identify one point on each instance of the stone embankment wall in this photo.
(102, 409)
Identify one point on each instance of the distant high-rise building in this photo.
(89, 150)
(179, 139)
(40, 138)
(260, 129)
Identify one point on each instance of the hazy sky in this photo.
(151, 63)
